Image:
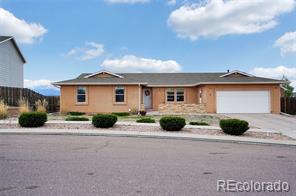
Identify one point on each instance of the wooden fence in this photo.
(11, 97)
(288, 105)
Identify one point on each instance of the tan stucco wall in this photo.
(100, 99)
(209, 94)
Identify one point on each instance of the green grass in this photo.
(145, 120)
(199, 123)
(76, 118)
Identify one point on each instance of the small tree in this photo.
(287, 87)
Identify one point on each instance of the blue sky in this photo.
(61, 39)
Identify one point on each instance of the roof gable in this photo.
(236, 73)
(4, 39)
(103, 74)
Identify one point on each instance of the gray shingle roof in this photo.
(166, 79)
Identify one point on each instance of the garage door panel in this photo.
(243, 101)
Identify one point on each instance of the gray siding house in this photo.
(11, 63)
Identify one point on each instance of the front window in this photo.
(81, 94)
(180, 95)
(170, 95)
(119, 94)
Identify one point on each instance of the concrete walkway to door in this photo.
(273, 122)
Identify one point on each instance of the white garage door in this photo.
(243, 101)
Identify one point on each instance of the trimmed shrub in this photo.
(76, 113)
(199, 123)
(146, 120)
(172, 123)
(3, 110)
(234, 126)
(121, 113)
(104, 120)
(76, 118)
(32, 119)
(143, 113)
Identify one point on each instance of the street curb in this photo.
(137, 135)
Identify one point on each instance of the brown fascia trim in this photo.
(174, 85)
(203, 83)
(94, 84)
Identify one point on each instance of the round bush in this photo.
(104, 120)
(32, 119)
(234, 126)
(172, 123)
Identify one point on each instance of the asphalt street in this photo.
(92, 165)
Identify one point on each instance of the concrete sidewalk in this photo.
(159, 135)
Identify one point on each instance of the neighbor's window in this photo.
(119, 94)
(180, 95)
(81, 94)
(170, 95)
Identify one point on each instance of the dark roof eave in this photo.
(164, 85)
(94, 83)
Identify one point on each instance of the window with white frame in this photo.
(170, 95)
(179, 94)
(175, 95)
(81, 94)
(119, 94)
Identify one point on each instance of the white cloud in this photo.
(23, 31)
(127, 1)
(171, 2)
(131, 63)
(91, 50)
(35, 84)
(287, 43)
(276, 73)
(215, 18)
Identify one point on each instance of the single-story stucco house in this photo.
(229, 92)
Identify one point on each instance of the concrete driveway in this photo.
(272, 122)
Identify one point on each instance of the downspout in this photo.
(139, 102)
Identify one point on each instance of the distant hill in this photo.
(47, 91)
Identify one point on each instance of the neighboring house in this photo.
(11, 63)
(231, 92)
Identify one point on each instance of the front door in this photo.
(147, 97)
